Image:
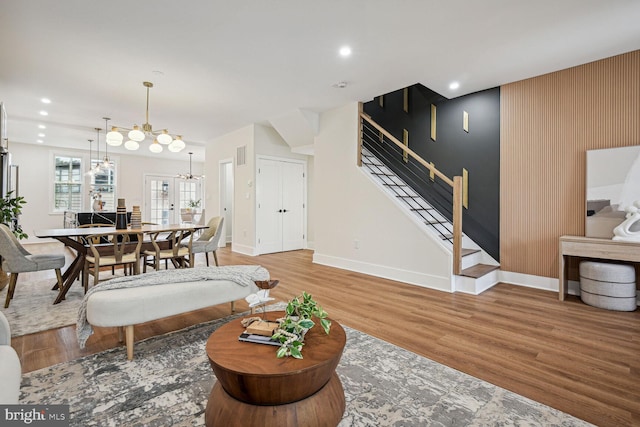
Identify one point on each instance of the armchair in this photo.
(209, 239)
(10, 368)
(16, 259)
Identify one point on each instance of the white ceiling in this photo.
(221, 65)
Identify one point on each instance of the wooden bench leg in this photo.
(120, 333)
(129, 341)
(233, 307)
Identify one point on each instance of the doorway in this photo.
(165, 196)
(226, 199)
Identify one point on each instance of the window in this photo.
(103, 185)
(187, 191)
(67, 184)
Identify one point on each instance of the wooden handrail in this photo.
(456, 184)
(407, 150)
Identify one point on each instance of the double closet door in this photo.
(280, 206)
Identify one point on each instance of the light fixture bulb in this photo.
(114, 138)
(454, 85)
(131, 145)
(164, 138)
(177, 144)
(136, 134)
(155, 147)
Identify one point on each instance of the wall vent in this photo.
(241, 156)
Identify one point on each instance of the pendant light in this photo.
(190, 175)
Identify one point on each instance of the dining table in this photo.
(73, 239)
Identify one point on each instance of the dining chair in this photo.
(16, 259)
(122, 248)
(83, 239)
(209, 239)
(179, 254)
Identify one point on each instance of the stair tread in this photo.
(466, 251)
(478, 270)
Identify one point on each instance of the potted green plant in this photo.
(297, 321)
(10, 209)
(193, 205)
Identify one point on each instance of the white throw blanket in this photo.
(243, 275)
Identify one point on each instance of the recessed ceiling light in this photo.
(42, 127)
(40, 141)
(454, 85)
(41, 135)
(345, 51)
(46, 101)
(44, 113)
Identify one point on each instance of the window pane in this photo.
(67, 183)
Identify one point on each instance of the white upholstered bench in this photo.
(127, 306)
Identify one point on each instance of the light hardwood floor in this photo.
(579, 359)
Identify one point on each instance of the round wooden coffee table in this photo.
(255, 388)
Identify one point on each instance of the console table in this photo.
(590, 247)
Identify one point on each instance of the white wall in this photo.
(36, 177)
(259, 140)
(223, 148)
(349, 211)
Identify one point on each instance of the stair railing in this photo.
(368, 127)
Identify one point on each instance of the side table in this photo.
(255, 388)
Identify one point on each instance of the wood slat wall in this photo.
(547, 124)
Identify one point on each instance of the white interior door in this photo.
(280, 213)
(293, 205)
(269, 207)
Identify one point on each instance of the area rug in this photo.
(169, 381)
(32, 309)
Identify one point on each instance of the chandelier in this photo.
(136, 135)
(189, 175)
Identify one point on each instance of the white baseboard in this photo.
(411, 277)
(529, 280)
(242, 249)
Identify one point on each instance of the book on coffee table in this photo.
(259, 339)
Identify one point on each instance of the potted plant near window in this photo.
(10, 209)
(193, 205)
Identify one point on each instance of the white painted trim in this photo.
(307, 150)
(386, 272)
(243, 249)
(529, 281)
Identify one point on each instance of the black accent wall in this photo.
(478, 151)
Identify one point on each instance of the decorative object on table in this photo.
(98, 204)
(136, 136)
(629, 230)
(10, 210)
(256, 328)
(136, 218)
(121, 215)
(298, 320)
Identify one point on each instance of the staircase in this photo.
(479, 270)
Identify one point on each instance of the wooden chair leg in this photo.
(129, 341)
(233, 307)
(206, 255)
(85, 276)
(215, 257)
(13, 279)
(120, 333)
(144, 264)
